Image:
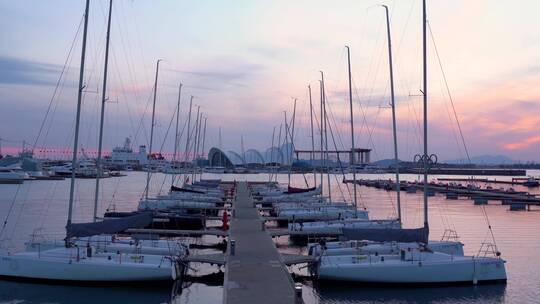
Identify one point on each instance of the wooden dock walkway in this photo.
(255, 272)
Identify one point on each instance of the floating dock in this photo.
(468, 171)
(514, 181)
(255, 271)
(479, 196)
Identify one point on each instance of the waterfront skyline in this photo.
(245, 61)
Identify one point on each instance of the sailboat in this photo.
(74, 263)
(415, 264)
(356, 246)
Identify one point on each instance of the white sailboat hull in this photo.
(13, 175)
(171, 204)
(363, 247)
(446, 270)
(105, 243)
(57, 265)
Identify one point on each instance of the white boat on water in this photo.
(76, 264)
(167, 204)
(190, 196)
(294, 196)
(112, 243)
(321, 226)
(86, 168)
(368, 247)
(215, 170)
(328, 213)
(12, 173)
(415, 266)
(315, 205)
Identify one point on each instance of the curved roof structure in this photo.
(253, 156)
(216, 158)
(277, 155)
(273, 155)
(235, 158)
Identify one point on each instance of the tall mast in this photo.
(188, 133)
(424, 47)
(322, 162)
(326, 159)
(287, 147)
(393, 104)
(312, 137)
(278, 143)
(352, 161)
(242, 148)
(74, 165)
(199, 139)
(293, 122)
(220, 142)
(203, 142)
(152, 131)
(199, 136)
(292, 136)
(194, 145)
(272, 153)
(102, 118)
(204, 137)
(176, 132)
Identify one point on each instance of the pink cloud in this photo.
(522, 144)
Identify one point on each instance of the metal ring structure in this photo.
(422, 159)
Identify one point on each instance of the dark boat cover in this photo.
(209, 183)
(109, 226)
(387, 234)
(291, 190)
(179, 189)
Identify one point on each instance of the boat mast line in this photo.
(176, 133)
(77, 121)
(152, 131)
(425, 95)
(393, 105)
(99, 165)
(312, 137)
(352, 160)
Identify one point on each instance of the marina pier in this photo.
(255, 272)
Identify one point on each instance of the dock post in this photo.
(298, 293)
(233, 244)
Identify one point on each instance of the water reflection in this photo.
(44, 204)
(16, 292)
(494, 293)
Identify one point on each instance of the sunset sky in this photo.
(245, 61)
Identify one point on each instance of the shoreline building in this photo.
(124, 157)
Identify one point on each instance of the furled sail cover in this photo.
(387, 235)
(178, 189)
(109, 226)
(210, 183)
(291, 190)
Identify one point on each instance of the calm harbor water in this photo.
(40, 207)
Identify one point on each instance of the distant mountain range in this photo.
(384, 163)
(477, 160)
